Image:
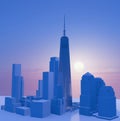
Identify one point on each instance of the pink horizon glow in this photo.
(31, 82)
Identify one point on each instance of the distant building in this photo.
(54, 67)
(88, 98)
(17, 82)
(58, 106)
(97, 99)
(48, 84)
(107, 103)
(39, 92)
(40, 108)
(11, 103)
(100, 83)
(64, 70)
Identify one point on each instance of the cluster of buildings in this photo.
(96, 98)
(54, 94)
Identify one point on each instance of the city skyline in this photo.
(93, 29)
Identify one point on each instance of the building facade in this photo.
(64, 70)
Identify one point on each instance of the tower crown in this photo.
(64, 31)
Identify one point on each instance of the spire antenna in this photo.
(64, 32)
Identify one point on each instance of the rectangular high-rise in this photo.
(54, 67)
(17, 82)
(39, 92)
(48, 79)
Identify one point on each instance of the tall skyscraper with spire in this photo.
(64, 69)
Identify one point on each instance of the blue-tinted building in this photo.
(88, 98)
(48, 84)
(107, 103)
(11, 104)
(58, 106)
(64, 70)
(23, 111)
(97, 99)
(40, 108)
(39, 92)
(100, 83)
(17, 82)
(54, 67)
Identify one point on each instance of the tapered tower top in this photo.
(64, 31)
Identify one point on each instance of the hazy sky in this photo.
(30, 32)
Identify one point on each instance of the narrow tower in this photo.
(64, 69)
(54, 67)
(17, 82)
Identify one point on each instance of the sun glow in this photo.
(78, 66)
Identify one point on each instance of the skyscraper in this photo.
(39, 92)
(48, 84)
(17, 82)
(64, 69)
(54, 67)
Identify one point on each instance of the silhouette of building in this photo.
(97, 99)
(58, 106)
(107, 103)
(17, 82)
(40, 108)
(23, 111)
(48, 84)
(88, 98)
(54, 67)
(39, 92)
(11, 103)
(64, 70)
(100, 83)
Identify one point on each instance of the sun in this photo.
(78, 66)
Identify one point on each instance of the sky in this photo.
(30, 32)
